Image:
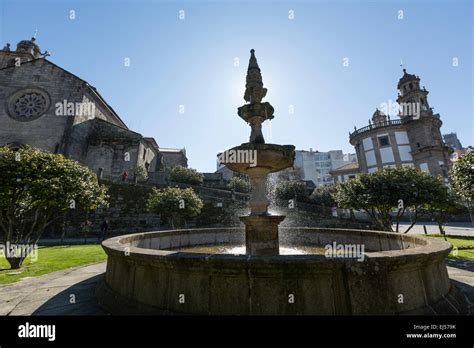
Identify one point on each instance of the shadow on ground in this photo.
(466, 264)
(78, 299)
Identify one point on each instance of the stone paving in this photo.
(52, 294)
(65, 292)
(452, 228)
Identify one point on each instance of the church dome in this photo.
(379, 117)
(378, 113)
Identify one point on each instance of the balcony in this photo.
(379, 125)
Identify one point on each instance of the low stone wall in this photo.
(401, 274)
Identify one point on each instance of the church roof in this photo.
(91, 88)
(346, 167)
(152, 141)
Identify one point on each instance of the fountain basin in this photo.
(270, 158)
(400, 274)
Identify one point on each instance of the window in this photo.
(411, 86)
(28, 104)
(424, 167)
(383, 141)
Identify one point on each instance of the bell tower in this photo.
(26, 50)
(423, 127)
(412, 99)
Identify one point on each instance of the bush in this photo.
(185, 175)
(323, 195)
(286, 190)
(239, 185)
(174, 204)
(140, 173)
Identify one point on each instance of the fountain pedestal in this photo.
(261, 234)
(261, 228)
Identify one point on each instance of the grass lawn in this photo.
(460, 242)
(51, 259)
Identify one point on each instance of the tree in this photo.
(38, 188)
(174, 204)
(389, 190)
(139, 172)
(323, 195)
(462, 177)
(185, 175)
(445, 204)
(239, 185)
(286, 190)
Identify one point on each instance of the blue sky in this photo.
(191, 62)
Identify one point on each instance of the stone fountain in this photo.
(261, 228)
(167, 272)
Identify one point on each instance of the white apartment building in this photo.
(316, 165)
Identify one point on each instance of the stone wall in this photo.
(151, 278)
(126, 213)
(47, 131)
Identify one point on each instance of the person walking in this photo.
(124, 175)
(103, 229)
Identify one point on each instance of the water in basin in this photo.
(236, 249)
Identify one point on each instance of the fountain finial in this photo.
(254, 91)
(253, 61)
(255, 112)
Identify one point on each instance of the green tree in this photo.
(286, 190)
(39, 188)
(445, 204)
(174, 204)
(323, 195)
(185, 175)
(462, 178)
(139, 172)
(238, 184)
(387, 192)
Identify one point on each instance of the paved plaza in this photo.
(452, 228)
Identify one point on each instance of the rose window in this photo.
(30, 105)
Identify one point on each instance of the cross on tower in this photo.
(402, 64)
(36, 33)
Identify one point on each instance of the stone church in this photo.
(48, 107)
(414, 139)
